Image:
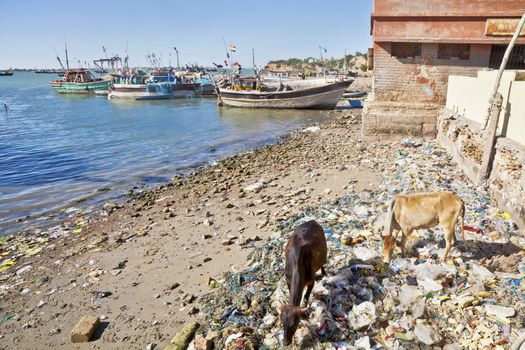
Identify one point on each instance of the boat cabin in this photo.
(250, 82)
(79, 76)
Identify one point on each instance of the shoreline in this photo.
(53, 253)
(51, 218)
(172, 255)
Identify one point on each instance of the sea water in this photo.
(64, 151)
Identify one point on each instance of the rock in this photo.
(193, 311)
(24, 270)
(229, 206)
(174, 286)
(206, 236)
(25, 291)
(256, 187)
(182, 340)
(84, 329)
(426, 334)
(327, 191)
(501, 311)
(201, 343)
(151, 346)
(207, 222)
(41, 303)
(362, 315)
(207, 259)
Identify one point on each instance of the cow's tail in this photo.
(463, 220)
(390, 219)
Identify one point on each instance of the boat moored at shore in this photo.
(248, 93)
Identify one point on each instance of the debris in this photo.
(426, 334)
(182, 340)
(500, 311)
(84, 329)
(312, 129)
(362, 315)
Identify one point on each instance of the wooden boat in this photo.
(246, 92)
(79, 81)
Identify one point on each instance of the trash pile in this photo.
(474, 302)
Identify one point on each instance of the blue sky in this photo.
(31, 29)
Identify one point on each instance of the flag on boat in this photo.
(233, 48)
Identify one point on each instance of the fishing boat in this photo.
(155, 87)
(79, 81)
(6, 73)
(249, 92)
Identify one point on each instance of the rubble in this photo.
(365, 304)
(84, 329)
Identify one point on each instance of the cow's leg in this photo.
(309, 288)
(406, 231)
(448, 223)
(448, 230)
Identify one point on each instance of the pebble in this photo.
(25, 291)
(24, 270)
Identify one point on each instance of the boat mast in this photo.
(177, 52)
(67, 59)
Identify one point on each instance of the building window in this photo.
(516, 58)
(406, 50)
(454, 51)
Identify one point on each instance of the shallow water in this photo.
(57, 151)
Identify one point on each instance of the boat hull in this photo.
(320, 97)
(139, 92)
(81, 88)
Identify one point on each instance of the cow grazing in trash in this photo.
(418, 211)
(305, 254)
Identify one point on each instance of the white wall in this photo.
(469, 97)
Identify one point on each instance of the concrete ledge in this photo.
(464, 142)
(395, 120)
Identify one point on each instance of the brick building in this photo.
(418, 44)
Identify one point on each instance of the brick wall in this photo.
(424, 79)
(408, 92)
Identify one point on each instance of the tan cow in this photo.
(416, 211)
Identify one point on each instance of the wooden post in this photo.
(490, 141)
(502, 68)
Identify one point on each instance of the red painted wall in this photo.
(468, 8)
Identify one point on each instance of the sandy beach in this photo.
(141, 265)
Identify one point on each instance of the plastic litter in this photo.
(415, 299)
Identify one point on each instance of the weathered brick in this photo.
(84, 329)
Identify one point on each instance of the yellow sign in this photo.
(502, 27)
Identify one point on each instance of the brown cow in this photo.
(305, 254)
(425, 210)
